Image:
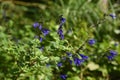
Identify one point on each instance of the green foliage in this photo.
(22, 59)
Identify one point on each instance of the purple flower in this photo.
(59, 64)
(41, 39)
(60, 31)
(63, 76)
(62, 20)
(36, 24)
(110, 57)
(91, 41)
(113, 53)
(83, 57)
(69, 54)
(113, 15)
(40, 27)
(62, 36)
(78, 61)
(45, 31)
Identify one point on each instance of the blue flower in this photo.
(45, 31)
(59, 64)
(113, 53)
(69, 54)
(113, 15)
(83, 57)
(78, 61)
(110, 57)
(36, 24)
(62, 20)
(62, 36)
(40, 27)
(41, 39)
(91, 41)
(63, 76)
(60, 32)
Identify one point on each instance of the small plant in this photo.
(70, 60)
(81, 45)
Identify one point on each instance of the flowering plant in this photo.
(82, 44)
(70, 59)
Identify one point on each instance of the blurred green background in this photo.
(18, 46)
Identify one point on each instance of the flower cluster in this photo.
(112, 55)
(43, 30)
(60, 31)
(73, 59)
(76, 59)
